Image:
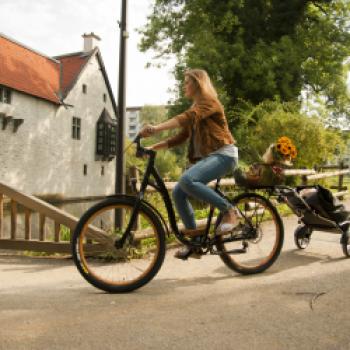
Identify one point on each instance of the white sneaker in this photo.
(226, 228)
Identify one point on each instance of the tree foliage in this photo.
(150, 114)
(269, 120)
(169, 163)
(256, 50)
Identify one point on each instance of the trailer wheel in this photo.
(345, 243)
(302, 236)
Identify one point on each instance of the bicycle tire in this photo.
(91, 270)
(230, 259)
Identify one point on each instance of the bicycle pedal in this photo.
(237, 251)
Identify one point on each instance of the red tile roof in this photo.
(28, 71)
(71, 67)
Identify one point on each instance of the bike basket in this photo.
(259, 175)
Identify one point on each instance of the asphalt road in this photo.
(301, 302)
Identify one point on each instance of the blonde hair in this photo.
(205, 86)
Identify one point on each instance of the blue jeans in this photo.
(193, 183)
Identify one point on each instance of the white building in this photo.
(57, 121)
(133, 121)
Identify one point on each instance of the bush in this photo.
(265, 123)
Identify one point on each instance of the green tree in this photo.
(170, 163)
(153, 114)
(269, 121)
(256, 50)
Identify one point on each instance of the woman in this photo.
(211, 148)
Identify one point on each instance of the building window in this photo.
(85, 169)
(84, 89)
(132, 127)
(104, 97)
(106, 136)
(76, 128)
(5, 95)
(102, 170)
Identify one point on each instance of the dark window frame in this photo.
(106, 137)
(76, 128)
(5, 95)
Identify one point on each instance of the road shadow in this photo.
(29, 264)
(294, 258)
(287, 260)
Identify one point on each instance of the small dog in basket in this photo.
(280, 153)
(276, 158)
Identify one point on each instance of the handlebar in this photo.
(141, 151)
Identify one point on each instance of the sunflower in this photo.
(284, 139)
(285, 150)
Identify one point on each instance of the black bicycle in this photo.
(119, 244)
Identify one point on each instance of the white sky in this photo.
(55, 27)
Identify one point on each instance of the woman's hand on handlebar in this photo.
(147, 130)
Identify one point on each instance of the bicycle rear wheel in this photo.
(118, 270)
(259, 236)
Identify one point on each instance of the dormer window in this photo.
(106, 136)
(5, 95)
(84, 89)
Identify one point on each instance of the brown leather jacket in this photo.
(208, 119)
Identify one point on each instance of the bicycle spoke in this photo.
(261, 232)
(117, 267)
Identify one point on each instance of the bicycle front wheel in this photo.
(118, 269)
(259, 236)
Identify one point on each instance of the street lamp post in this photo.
(120, 161)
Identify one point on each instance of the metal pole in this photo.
(120, 161)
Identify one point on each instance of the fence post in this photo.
(341, 179)
(57, 231)
(13, 219)
(42, 234)
(28, 224)
(133, 178)
(1, 215)
(304, 179)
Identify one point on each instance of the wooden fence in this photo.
(29, 205)
(308, 176)
(15, 240)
